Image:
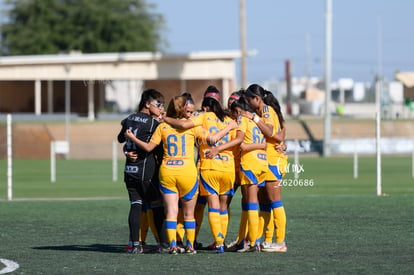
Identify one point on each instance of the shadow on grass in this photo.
(106, 248)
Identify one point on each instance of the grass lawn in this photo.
(337, 225)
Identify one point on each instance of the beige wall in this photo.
(18, 97)
(171, 74)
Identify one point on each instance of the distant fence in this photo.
(389, 146)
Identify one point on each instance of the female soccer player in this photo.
(217, 173)
(140, 166)
(178, 173)
(253, 168)
(199, 208)
(190, 109)
(268, 121)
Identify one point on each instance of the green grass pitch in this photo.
(78, 225)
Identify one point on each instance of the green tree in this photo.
(53, 26)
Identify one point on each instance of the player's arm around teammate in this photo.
(269, 121)
(178, 174)
(189, 123)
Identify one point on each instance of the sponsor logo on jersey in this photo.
(139, 119)
(131, 169)
(262, 156)
(174, 162)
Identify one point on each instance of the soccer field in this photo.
(337, 225)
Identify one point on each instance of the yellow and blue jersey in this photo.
(224, 161)
(270, 117)
(252, 163)
(277, 161)
(178, 145)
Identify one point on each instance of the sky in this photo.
(369, 37)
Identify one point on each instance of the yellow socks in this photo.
(266, 227)
(279, 217)
(190, 227)
(252, 222)
(215, 225)
(224, 217)
(242, 227)
(180, 225)
(171, 227)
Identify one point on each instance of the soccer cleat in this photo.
(211, 246)
(265, 245)
(180, 244)
(276, 247)
(249, 248)
(233, 243)
(234, 246)
(180, 247)
(279, 247)
(190, 250)
(219, 249)
(173, 250)
(162, 250)
(129, 246)
(136, 249)
(197, 245)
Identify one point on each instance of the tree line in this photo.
(89, 26)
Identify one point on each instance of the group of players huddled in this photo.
(179, 160)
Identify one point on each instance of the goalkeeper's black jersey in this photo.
(142, 125)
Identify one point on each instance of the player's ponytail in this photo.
(176, 107)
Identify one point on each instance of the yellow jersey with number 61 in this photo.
(178, 146)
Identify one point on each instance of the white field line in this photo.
(67, 199)
(10, 266)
